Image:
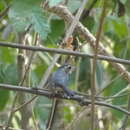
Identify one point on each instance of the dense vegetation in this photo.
(41, 23)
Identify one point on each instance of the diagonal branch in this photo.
(65, 14)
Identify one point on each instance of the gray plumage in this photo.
(60, 78)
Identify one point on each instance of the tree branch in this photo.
(65, 14)
(93, 86)
(64, 52)
(78, 98)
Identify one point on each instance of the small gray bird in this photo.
(60, 78)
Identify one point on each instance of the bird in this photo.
(60, 78)
(59, 81)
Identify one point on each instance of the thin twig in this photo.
(93, 86)
(30, 60)
(75, 20)
(65, 52)
(24, 104)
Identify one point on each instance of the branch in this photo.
(65, 52)
(65, 14)
(93, 78)
(78, 98)
(75, 20)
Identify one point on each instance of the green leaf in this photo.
(73, 5)
(29, 13)
(115, 87)
(40, 23)
(127, 5)
(116, 27)
(8, 74)
(7, 55)
(19, 15)
(54, 2)
(56, 32)
(34, 79)
(67, 114)
(4, 97)
(11, 75)
(18, 22)
(89, 22)
(84, 75)
(99, 74)
(25, 7)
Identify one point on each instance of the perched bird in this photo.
(60, 78)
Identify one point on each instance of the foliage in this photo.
(29, 14)
(54, 2)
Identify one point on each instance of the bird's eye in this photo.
(69, 67)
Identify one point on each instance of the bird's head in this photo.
(68, 68)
